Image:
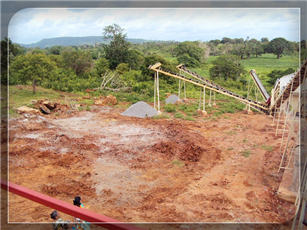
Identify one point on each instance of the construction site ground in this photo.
(148, 170)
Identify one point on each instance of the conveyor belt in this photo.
(291, 87)
(220, 89)
(202, 82)
(259, 85)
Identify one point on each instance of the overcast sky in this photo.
(32, 25)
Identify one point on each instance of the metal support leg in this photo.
(209, 104)
(185, 94)
(179, 87)
(204, 101)
(214, 104)
(199, 99)
(158, 93)
(155, 90)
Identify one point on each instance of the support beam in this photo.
(158, 92)
(185, 94)
(155, 90)
(214, 104)
(204, 101)
(199, 99)
(209, 104)
(179, 87)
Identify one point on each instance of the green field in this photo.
(263, 65)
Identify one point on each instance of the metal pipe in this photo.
(67, 208)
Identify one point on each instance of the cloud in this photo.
(31, 25)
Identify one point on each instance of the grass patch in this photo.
(230, 148)
(178, 163)
(170, 108)
(245, 140)
(246, 153)
(267, 148)
(161, 116)
(179, 115)
(189, 118)
(22, 95)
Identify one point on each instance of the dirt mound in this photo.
(186, 151)
(109, 100)
(66, 188)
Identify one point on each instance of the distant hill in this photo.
(74, 41)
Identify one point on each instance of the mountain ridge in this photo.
(77, 41)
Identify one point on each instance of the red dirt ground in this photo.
(148, 170)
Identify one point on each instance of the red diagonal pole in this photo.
(67, 208)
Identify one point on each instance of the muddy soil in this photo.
(149, 170)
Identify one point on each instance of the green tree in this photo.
(8, 50)
(226, 40)
(189, 53)
(101, 66)
(135, 59)
(79, 61)
(226, 67)
(122, 68)
(147, 75)
(32, 67)
(277, 46)
(238, 50)
(117, 50)
(264, 40)
(56, 50)
(255, 47)
(275, 74)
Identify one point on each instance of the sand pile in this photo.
(172, 99)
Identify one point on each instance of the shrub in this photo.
(226, 67)
(179, 115)
(170, 108)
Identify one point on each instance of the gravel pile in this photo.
(172, 99)
(141, 110)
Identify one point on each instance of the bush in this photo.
(170, 108)
(275, 74)
(179, 115)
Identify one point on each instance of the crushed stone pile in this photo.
(141, 110)
(172, 99)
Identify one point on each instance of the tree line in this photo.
(77, 68)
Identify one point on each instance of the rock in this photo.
(44, 109)
(110, 100)
(26, 109)
(98, 102)
(50, 105)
